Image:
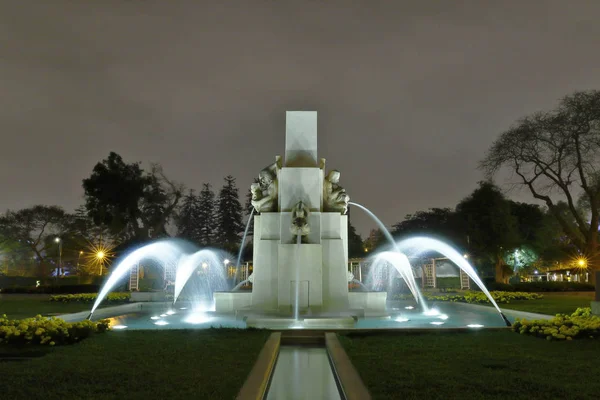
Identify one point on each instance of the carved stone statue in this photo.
(264, 193)
(300, 220)
(334, 196)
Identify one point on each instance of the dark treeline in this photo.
(554, 155)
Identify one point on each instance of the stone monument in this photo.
(300, 236)
(295, 198)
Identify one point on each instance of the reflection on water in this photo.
(302, 373)
(444, 315)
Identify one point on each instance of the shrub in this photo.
(115, 297)
(542, 287)
(580, 324)
(51, 331)
(49, 289)
(481, 298)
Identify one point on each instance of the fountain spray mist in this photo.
(297, 288)
(420, 244)
(400, 261)
(239, 257)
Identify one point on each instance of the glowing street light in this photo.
(100, 256)
(57, 240)
(581, 263)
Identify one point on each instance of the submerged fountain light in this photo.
(161, 323)
(163, 315)
(119, 326)
(409, 307)
(183, 308)
(432, 312)
(437, 323)
(170, 312)
(442, 316)
(401, 319)
(197, 318)
(155, 317)
(474, 326)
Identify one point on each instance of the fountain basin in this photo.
(229, 302)
(148, 296)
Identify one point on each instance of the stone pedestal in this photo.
(321, 263)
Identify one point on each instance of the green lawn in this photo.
(475, 365)
(552, 303)
(160, 364)
(18, 306)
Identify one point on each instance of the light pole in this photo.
(100, 256)
(57, 240)
(78, 257)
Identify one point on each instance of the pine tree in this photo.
(187, 220)
(206, 216)
(356, 245)
(229, 216)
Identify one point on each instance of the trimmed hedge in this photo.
(580, 324)
(479, 297)
(51, 331)
(542, 287)
(115, 297)
(49, 289)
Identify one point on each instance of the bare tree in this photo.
(556, 155)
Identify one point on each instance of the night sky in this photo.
(410, 94)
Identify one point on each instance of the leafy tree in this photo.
(435, 221)
(558, 152)
(229, 216)
(490, 226)
(207, 223)
(374, 241)
(36, 229)
(134, 204)
(16, 259)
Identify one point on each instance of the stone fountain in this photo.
(300, 235)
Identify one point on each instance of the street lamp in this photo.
(100, 256)
(57, 240)
(78, 258)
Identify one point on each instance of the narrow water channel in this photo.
(302, 373)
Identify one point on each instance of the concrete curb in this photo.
(255, 386)
(349, 380)
(101, 313)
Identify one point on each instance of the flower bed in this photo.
(580, 324)
(51, 331)
(480, 297)
(116, 297)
